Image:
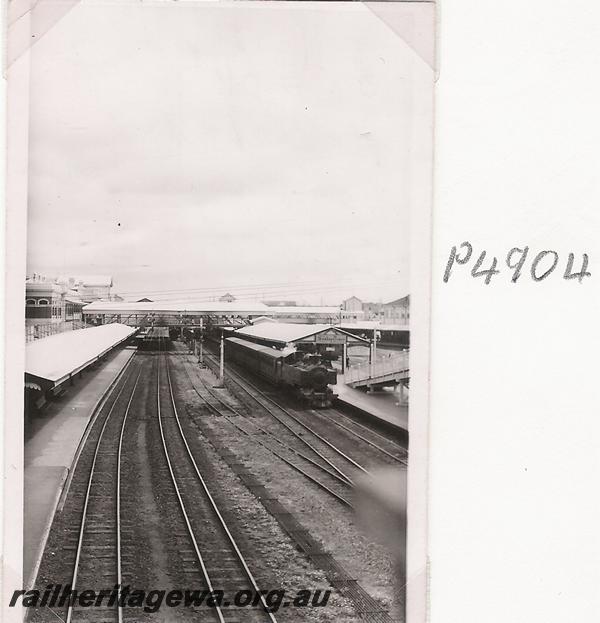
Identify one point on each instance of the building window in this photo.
(43, 302)
(30, 302)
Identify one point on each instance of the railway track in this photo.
(206, 543)
(368, 608)
(383, 444)
(389, 451)
(320, 473)
(333, 418)
(219, 561)
(99, 545)
(331, 453)
(343, 431)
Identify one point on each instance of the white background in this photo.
(515, 423)
(515, 420)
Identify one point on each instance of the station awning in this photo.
(56, 357)
(291, 333)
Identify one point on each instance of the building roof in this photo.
(95, 280)
(54, 358)
(280, 303)
(42, 286)
(369, 325)
(285, 332)
(401, 301)
(300, 310)
(88, 280)
(260, 319)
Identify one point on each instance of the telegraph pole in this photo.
(201, 361)
(221, 363)
(374, 343)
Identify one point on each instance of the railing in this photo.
(39, 331)
(386, 366)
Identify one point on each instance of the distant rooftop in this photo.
(89, 280)
(37, 285)
(280, 303)
(369, 325)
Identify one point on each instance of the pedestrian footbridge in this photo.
(384, 372)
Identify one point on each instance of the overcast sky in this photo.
(181, 147)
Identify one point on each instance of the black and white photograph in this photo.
(226, 298)
(299, 311)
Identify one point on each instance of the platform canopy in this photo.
(280, 333)
(53, 359)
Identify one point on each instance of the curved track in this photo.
(332, 418)
(334, 484)
(328, 450)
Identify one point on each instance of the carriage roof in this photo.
(259, 348)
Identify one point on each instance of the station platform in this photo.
(385, 405)
(50, 447)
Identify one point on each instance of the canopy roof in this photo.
(55, 357)
(289, 332)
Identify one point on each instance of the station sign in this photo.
(330, 337)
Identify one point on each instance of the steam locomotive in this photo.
(304, 374)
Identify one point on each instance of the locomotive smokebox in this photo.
(318, 377)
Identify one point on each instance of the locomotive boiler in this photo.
(307, 375)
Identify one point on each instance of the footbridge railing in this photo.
(387, 370)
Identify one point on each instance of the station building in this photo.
(393, 312)
(398, 311)
(44, 301)
(53, 305)
(90, 287)
(352, 304)
(50, 307)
